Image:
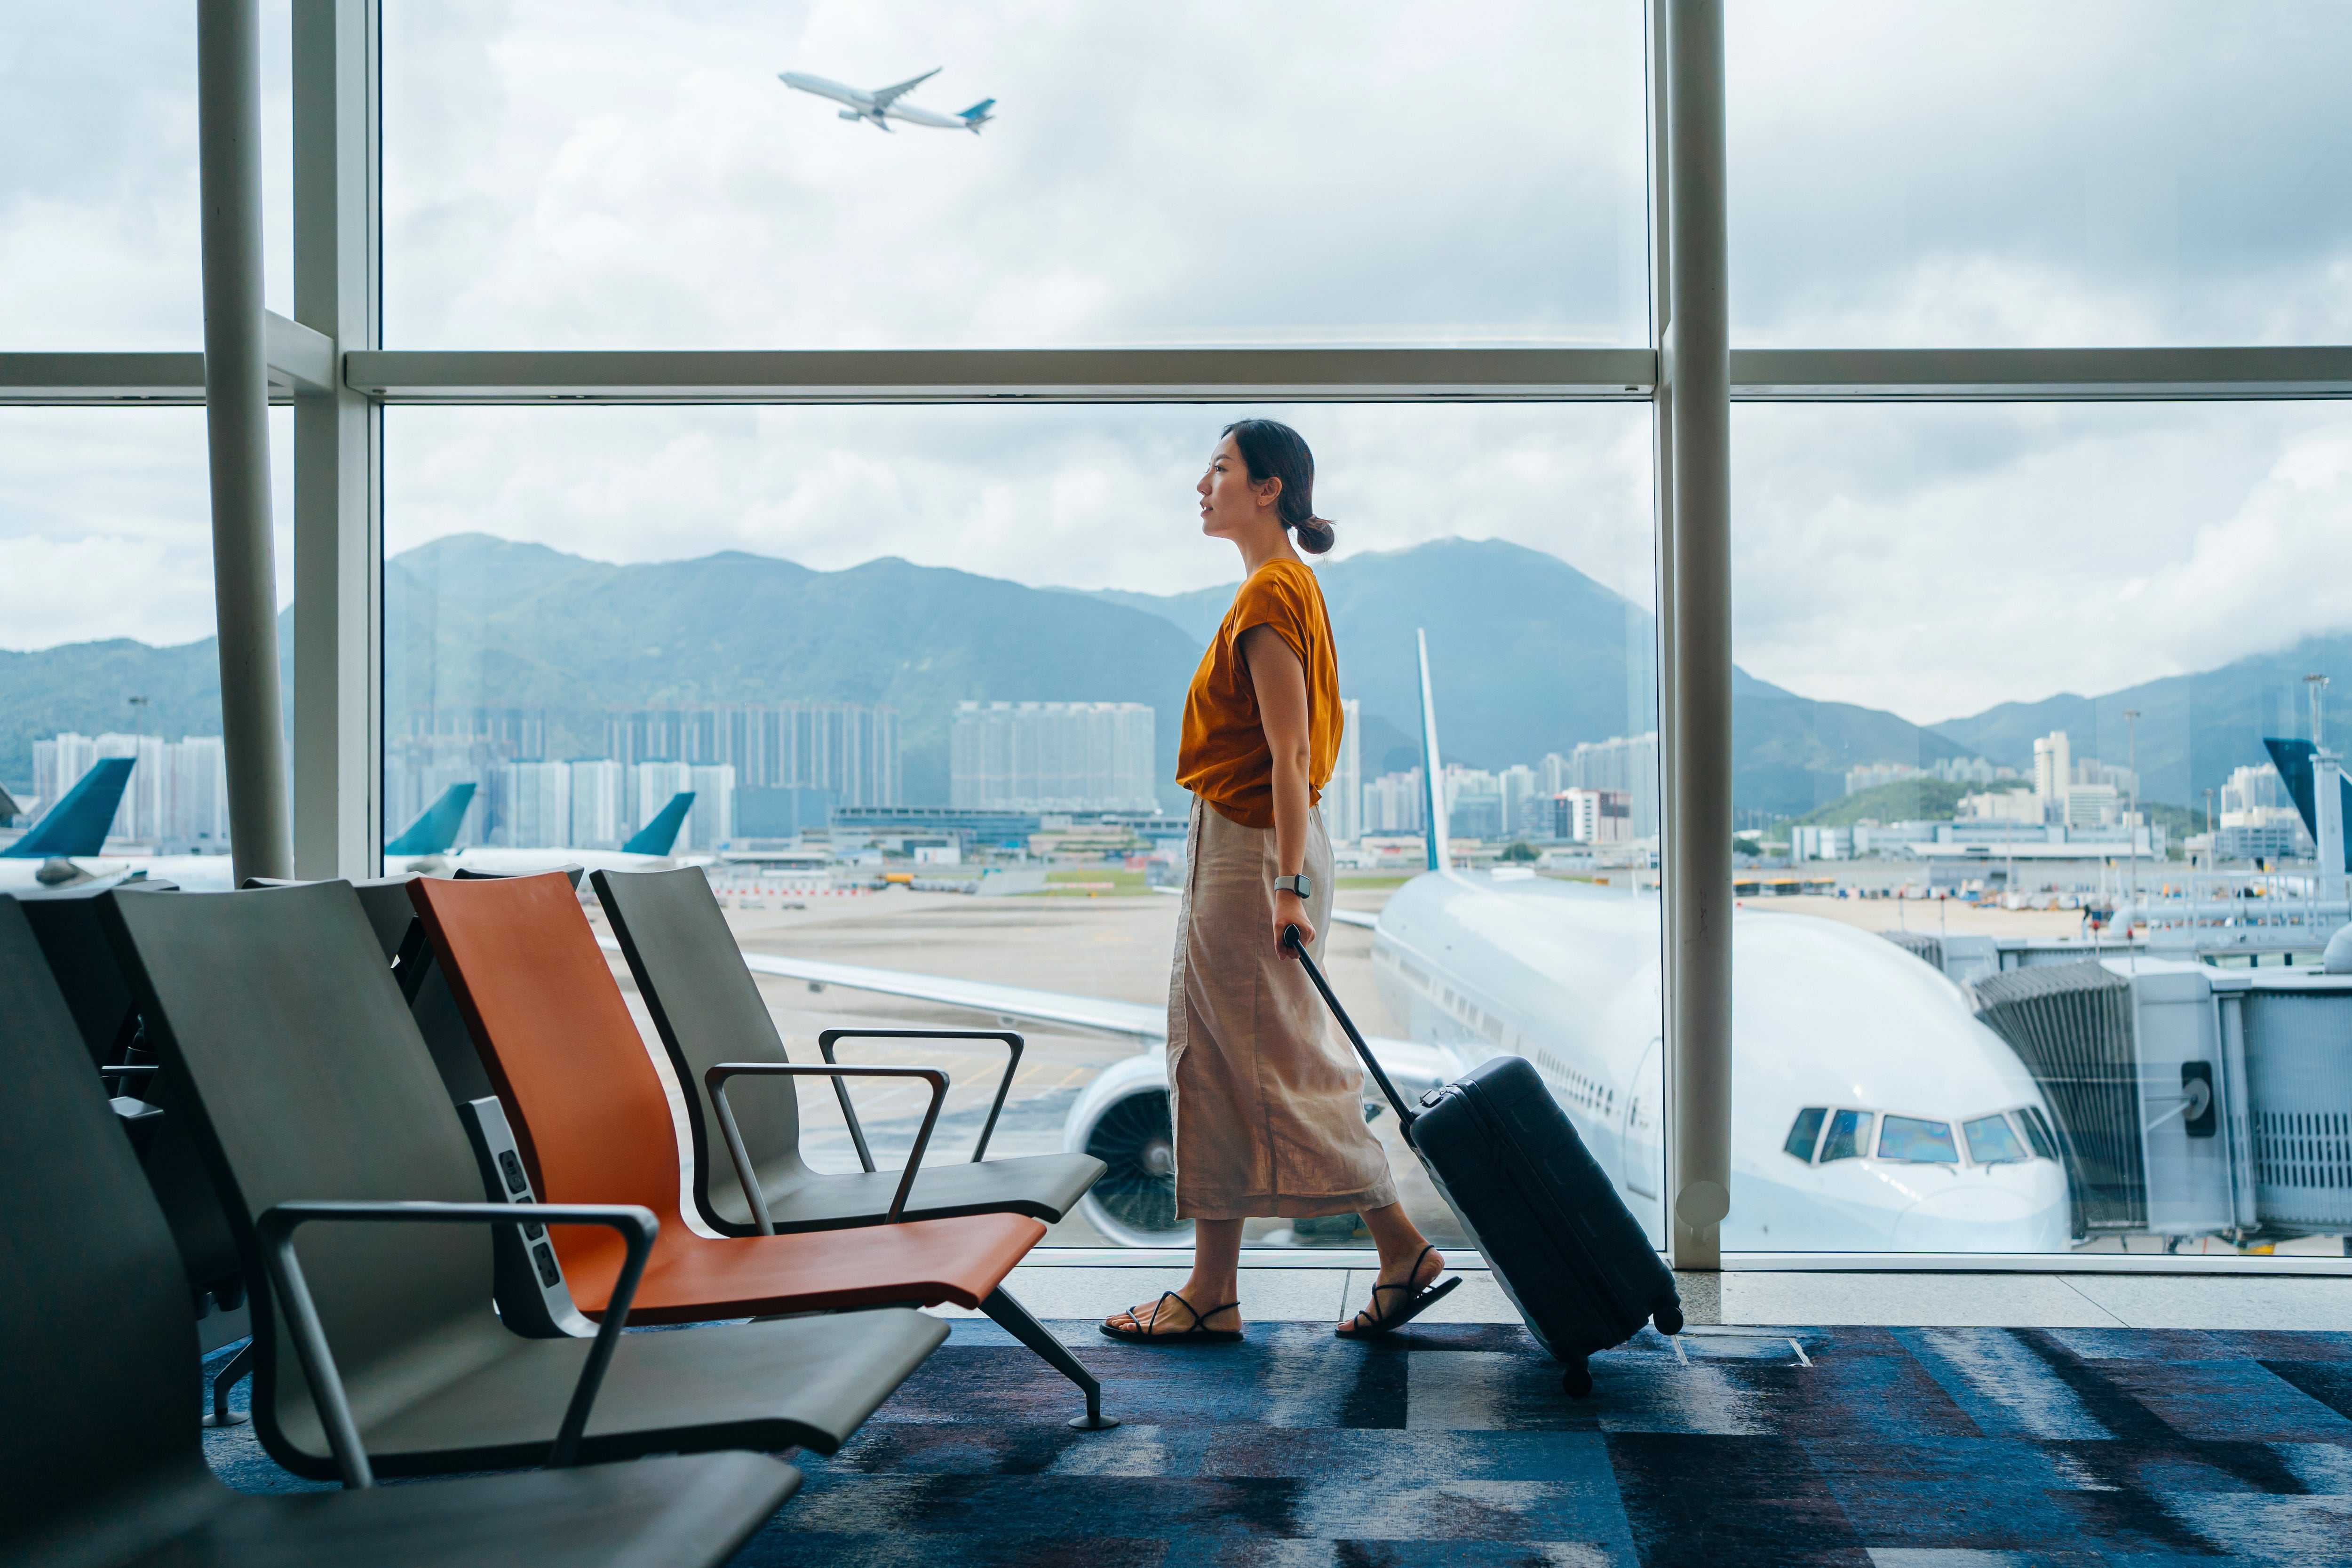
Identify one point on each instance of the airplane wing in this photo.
(884, 97)
(1364, 918)
(1134, 1019)
(1415, 1066)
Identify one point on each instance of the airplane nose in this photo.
(1972, 1218)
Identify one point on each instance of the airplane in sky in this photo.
(1872, 1111)
(648, 849)
(883, 105)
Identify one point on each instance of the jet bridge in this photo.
(2191, 1099)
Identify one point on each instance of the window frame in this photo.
(327, 363)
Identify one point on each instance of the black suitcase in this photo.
(1508, 1161)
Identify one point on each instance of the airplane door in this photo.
(1644, 1119)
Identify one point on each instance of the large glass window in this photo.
(637, 175)
(2026, 692)
(98, 186)
(106, 625)
(2006, 173)
(824, 623)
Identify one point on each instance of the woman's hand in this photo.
(1290, 910)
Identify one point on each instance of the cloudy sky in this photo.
(602, 173)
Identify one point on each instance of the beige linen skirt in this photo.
(1268, 1102)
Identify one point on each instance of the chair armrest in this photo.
(1014, 1043)
(637, 1228)
(715, 1080)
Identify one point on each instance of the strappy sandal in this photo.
(1415, 1303)
(1200, 1333)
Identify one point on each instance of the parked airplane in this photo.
(882, 105)
(1870, 1110)
(647, 850)
(67, 841)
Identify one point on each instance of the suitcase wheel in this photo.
(1576, 1379)
(1668, 1318)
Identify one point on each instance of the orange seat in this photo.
(593, 1123)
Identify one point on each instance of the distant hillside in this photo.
(2193, 729)
(1905, 800)
(1527, 654)
(471, 619)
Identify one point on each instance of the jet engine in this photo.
(1123, 1120)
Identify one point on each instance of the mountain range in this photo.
(1527, 656)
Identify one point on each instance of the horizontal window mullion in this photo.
(956, 375)
(2031, 375)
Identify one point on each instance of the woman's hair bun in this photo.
(1273, 450)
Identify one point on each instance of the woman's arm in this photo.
(1280, 681)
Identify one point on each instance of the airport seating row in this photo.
(312, 1047)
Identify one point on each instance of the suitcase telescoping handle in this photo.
(1405, 1117)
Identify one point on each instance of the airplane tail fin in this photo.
(1433, 778)
(77, 825)
(2294, 761)
(435, 827)
(658, 835)
(978, 115)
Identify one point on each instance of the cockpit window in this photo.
(1993, 1141)
(1918, 1140)
(2037, 1131)
(1806, 1132)
(1848, 1136)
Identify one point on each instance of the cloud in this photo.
(626, 173)
(1068, 496)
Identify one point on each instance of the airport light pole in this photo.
(2131, 822)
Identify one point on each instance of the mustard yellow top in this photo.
(1222, 756)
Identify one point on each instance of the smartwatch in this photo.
(1301, 884)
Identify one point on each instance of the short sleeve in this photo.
(1270, 599)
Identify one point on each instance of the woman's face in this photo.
(1230, 503)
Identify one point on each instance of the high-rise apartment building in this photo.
(1626, 764)
(1052, 756)
(537, 805)
(653, 785)
(1392, 802)
(1343, 801)
(599, 803)
(844, 747)
(712, 821)
(175, 799)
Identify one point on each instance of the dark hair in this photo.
(1273, 450)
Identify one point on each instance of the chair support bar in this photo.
(1014, 1042)
(715, 1080)
(637, 1228)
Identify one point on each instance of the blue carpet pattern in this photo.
(1454, 1445)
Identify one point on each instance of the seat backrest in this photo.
(589, 1110)
(65, 922)
(708, 1009)
(310, 1080)
(102, 1381)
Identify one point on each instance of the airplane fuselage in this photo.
(863, 106)
(1826, 1017)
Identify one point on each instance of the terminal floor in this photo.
(1953, 1446)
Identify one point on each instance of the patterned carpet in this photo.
(1898, 1448)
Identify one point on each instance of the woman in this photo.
(1269, 1117)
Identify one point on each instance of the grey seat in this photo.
(311, 1081)
(706, 1008)
(98, 1435)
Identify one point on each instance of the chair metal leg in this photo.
(1014, 1320)
(223, 1381)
